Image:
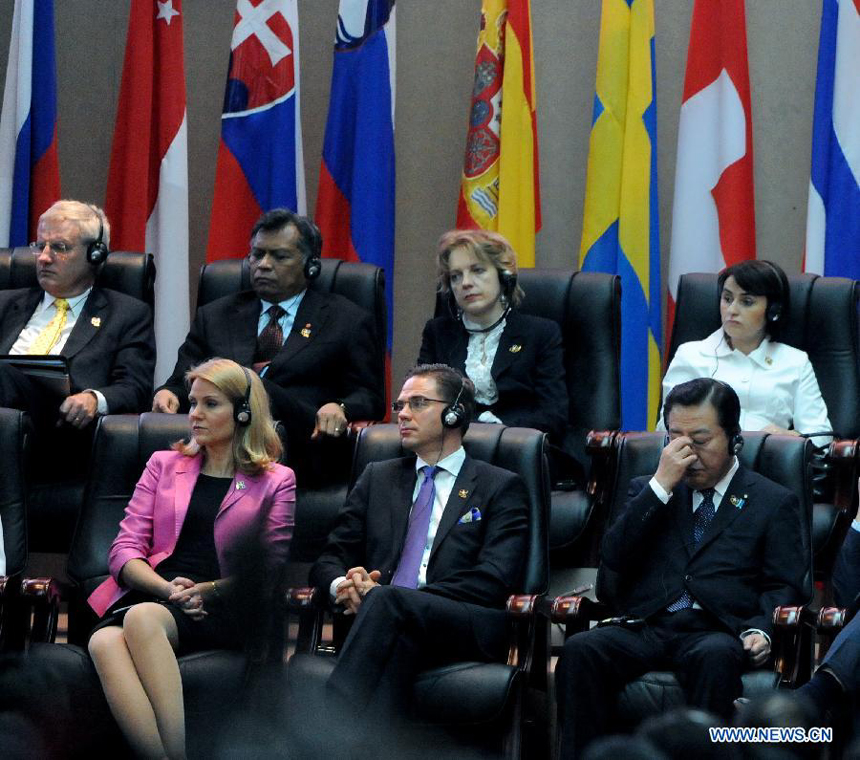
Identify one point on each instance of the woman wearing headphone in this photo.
(776, 383)
(196, 514)
(514, 360)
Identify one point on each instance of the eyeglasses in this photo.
(58, 248)
(415, 403)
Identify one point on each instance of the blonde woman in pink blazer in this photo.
(171, 564)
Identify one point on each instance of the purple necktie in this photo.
(416, 533)
(271, 339)
(701, 520)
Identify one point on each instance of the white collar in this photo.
(452, 463)
(74, 302)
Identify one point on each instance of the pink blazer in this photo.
(154, 517)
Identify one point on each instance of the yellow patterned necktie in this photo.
(46, 339)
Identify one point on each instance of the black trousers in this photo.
(399, 632)
(595, 665)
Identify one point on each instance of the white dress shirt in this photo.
(45, 312)
(480, 355)
(775, 383)
(446, 475)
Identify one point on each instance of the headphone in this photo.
(97, 251)
(774, 309)
(508, 281)
(242, 407)
(313, 267)
(454, 415)
(736, 440)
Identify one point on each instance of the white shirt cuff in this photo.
(332, 589)
(855, 524)
(100, 400)
(750, 631)
(659, 491)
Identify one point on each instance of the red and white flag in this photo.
(147, 193)
(713, 218)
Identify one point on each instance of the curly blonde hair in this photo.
(255, 445)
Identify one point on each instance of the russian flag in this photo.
(260, 160)
(29, 166)
(833, 216)
(147, 192)
(355, 201)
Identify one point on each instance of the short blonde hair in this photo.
(255, 445)
(487, 246)
(86, 215)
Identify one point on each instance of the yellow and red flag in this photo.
(500, 189)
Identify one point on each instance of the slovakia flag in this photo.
(260, 162)
(355, 204)
(29, 167)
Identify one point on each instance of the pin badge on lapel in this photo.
(96, 321)
(768, 360)
(516, 348)
(738, 502)
(240, 485)
(463, 493)
(306, 331)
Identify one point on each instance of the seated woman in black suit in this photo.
(514, 360)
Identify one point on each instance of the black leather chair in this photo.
(784, 459)
(823, 322)
(53, 504)
(14, 429)
(587, 308)
(477, 703)
(212, 681)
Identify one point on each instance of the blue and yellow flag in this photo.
(620, 231)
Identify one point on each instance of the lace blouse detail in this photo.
(479, 360)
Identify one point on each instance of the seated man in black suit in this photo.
(695, 562)
(314, 351)
(106, 336)
(839, 674)
(425, 551)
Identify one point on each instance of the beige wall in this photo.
(436, 40)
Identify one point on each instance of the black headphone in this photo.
(97, 251)
(454, 415)
(242, 407)
(736, 440)
(508, 281)
(774, 309)
(313, 267)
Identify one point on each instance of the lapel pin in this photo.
(96, 321)
(463, 493)
(306, 331)
(516, 348)
(240, 485)
(768, 360)
(738, 502)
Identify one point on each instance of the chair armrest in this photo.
(529, 638)
(14, 615)
(308, 604)
(831, 620)
(575, 613)
(793, 643)
(43, 595)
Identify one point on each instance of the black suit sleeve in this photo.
(846, 572)
(359, 389)
(547, 408)
(347, 543)
(130, 379)
(194, 350)
(494, 576)
(428, 353)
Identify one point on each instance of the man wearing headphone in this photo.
(313, 350)
(106, 336)
(425, 551)
(694, 564)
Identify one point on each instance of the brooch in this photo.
(306, 331)
(738, 502)
(516, 348)
(240, 485)
(463, 493)
(96, 321)
(768, 360)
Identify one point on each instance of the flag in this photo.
(833, 216)
(499, 189)
(713, 217)
(260, 161)
(620, 230)
(147, 192)
(355, 201)
(29, 166)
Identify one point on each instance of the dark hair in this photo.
(451, 384)
(310, 237)
(719, 394)
(763, 278)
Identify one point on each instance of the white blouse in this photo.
(480, 355)
(775, 383)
